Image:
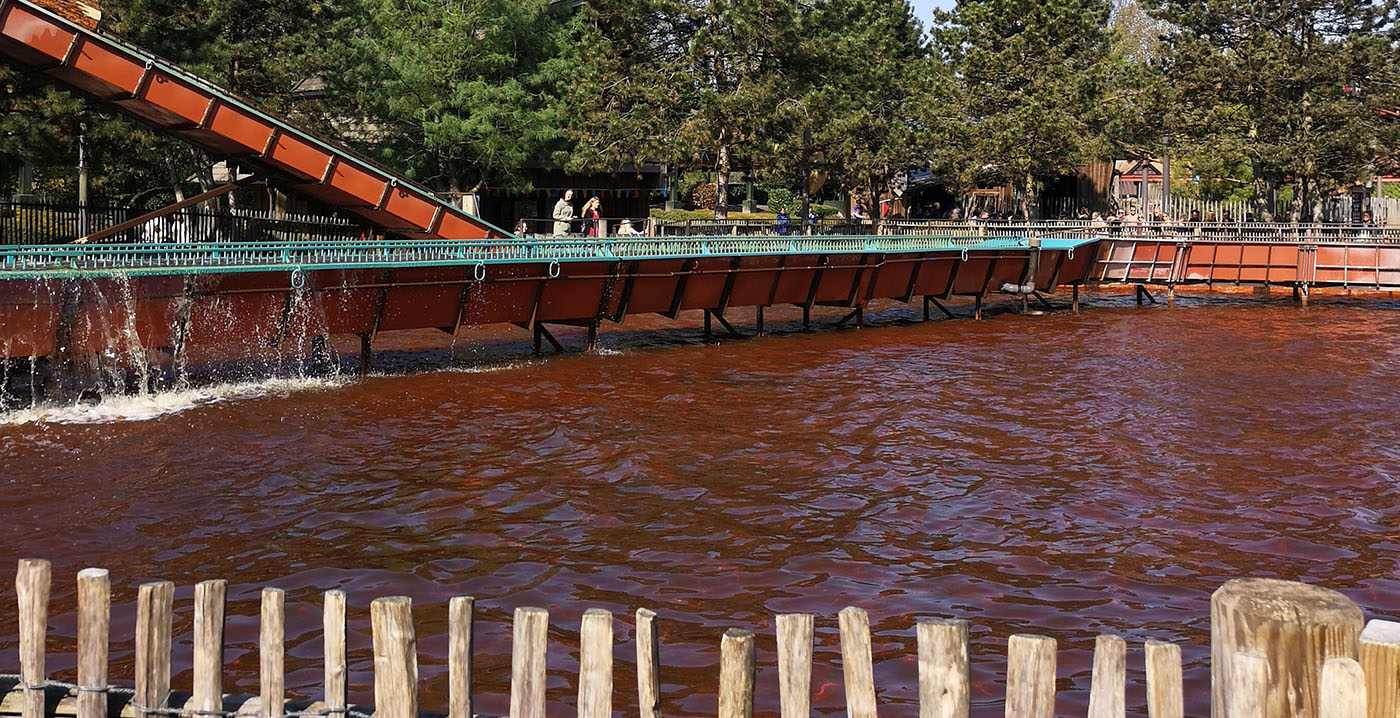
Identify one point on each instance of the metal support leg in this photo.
(593, 338)
(860, 317)
(709, 328)
(1303, 295)
(535, 345)
(940, 306)
(1139, 295)
(1074, 304)
(1043, 301)
(366, 349)
(806, 319)
(758, 319)
(1171, 295)
(926, 305)
(977, 308)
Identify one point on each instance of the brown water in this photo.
(1056, 474)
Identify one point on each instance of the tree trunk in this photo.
(806, 180)
(1027, 196)
(174, 179)
(722, 178)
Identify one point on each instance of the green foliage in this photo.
(456, 94)
(782, 198)
(1037, 82)
(1293, 87)
(1390, 190)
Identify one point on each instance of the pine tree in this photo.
(1035, 85)
(457, 94)
(698, 81)
(1294, 87)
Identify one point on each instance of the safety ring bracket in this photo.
(554, 269)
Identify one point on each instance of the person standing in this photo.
(780, 223)
(563, 213)
(591, 216)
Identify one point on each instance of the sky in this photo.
(924, 9)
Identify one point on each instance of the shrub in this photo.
(702, 196)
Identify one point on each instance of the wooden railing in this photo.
(1279, 649)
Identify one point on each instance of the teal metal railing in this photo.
(197, 258)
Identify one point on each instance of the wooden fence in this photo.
(1278, 649)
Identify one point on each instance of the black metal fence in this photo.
(39, 222)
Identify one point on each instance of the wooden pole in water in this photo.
(1342, 689)
(1164, 693)
(1030, 677)
(1380, 659)
(795, 631)
(154, 612)
(395, 658)
(856, 663)
(94, 624)
(528, 644)
(736, 674)
(333, 630)
(1295, 627)
(272, 653)
(1248, 686)
(1106, 692)
(32, 589)
(944, 688)
(209, 644)
(595, 674)
(459, 656)
(648, 664)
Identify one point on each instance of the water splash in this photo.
(153, 405)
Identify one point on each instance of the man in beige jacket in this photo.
(563, 213)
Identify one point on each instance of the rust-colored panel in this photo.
(298, 157)
(347, 303)
(239, 324)
(423, 297)
(839, 279)
(703, 290)
(177, 98)
(1147, 251)
(496, 301)
(891, 280)
(655, 286)
(410, 207)
(102, 72)
(41, 36)
(935, 276)
(240, 127)
(751, 287)
(455, 226)
(567, 299)
(1388, 258)
(28, 317)
(358, 183)
(795, 281)
(972, 275)
(1008, 270)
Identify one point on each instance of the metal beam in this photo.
(168, 209)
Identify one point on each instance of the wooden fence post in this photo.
(1342, 689)
(648, 664)
(856, 663)
(1248, 689)
(795, 631)
(736, 660)
(154, 613)
(94, 629)
(209, 644)
(459, 656)
(1030, 677)
(595, 668)
(1294, 626)
(529, 641)
(271, 653)
(944, 688)
(1380, 659)
(395, 658)
(1164, 692)
(32, 589)
(333, 651)
(1109, 681)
